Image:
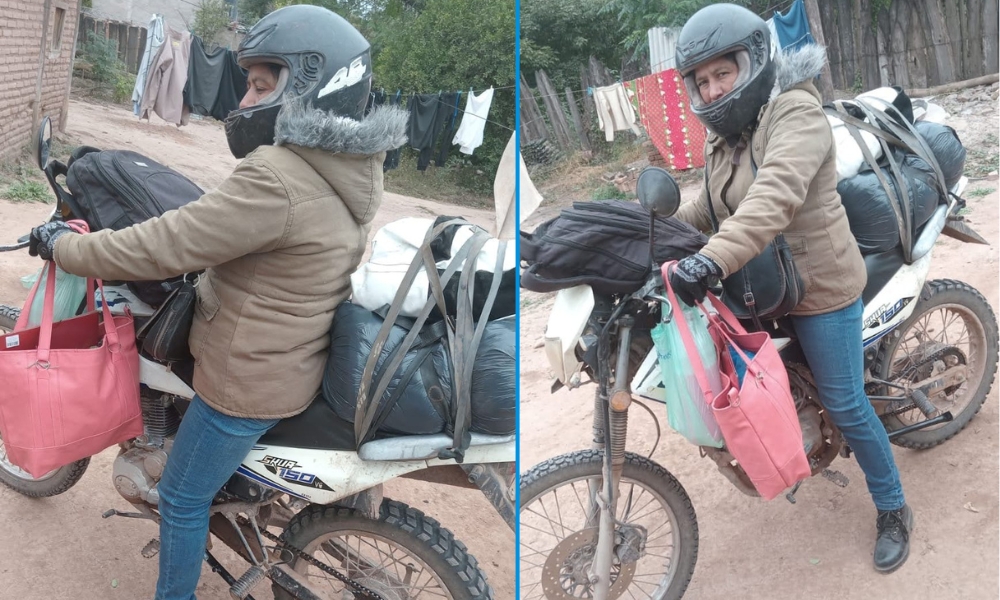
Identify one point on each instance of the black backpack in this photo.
(603, 244)
(115, 189)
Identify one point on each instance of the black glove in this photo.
(692, 277)
(43, 239)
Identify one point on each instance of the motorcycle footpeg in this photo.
(151, 549)
(923, 403)
(790, 496)
(836, 477)
(112, 512)
(245, 584)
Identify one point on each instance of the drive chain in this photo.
(907, 373)
(367, 594)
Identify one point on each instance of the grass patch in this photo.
(979, 192)
(25, 190)
(608, 192)
(984, 158)
(458, 182)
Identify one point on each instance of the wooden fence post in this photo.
(816, 28)
(532, 123)
(554, 109)
(584, 138)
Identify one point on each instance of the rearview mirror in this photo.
(658, 192)
(43, 143)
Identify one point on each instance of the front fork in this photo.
(610, 432)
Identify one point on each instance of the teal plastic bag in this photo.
(687, 410)
(70, 293)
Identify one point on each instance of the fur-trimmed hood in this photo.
(796, 66)
(384, 129)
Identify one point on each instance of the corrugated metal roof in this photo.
(662, 44)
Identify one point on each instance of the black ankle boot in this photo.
(893, 544)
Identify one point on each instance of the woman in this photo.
(278, 239)
(768, 111)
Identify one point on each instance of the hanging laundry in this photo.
(154, 39)
(470, 132)
(205, 71)
(614, 111)
(164, 92)
(775, 43)
(667, 117)
(392, 157)
(446, 122)
(376, 98)
(232, 88)
(503, 192)
(793, 26)
(424, 127)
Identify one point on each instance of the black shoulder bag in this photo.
(766, 288)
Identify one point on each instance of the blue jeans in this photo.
(207, 451)
(833, 347)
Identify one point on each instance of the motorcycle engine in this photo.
(139, 468)
(820, 438)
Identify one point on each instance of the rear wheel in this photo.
(952, 331)
(52, 483)
(403, 555)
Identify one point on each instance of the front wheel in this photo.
(403, 555)
(951, 336)
(52, 483)
(656, 538)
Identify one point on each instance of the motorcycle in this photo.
(341, 537)
(601, 523)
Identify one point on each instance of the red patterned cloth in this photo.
(666, 114)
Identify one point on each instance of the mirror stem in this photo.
(652, 225)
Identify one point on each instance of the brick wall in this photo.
(21, 39)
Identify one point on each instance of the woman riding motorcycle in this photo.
(278, 240)
(764, 110)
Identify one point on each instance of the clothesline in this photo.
(477, 116)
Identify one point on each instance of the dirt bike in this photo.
(306, 476)
(601, 523)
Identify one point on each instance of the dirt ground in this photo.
(60, 547)
(820, 547)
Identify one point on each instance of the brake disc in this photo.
(565, 575)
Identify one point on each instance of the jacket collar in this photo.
(382, 130)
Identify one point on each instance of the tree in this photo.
(454, 45)
(560, 35)
(210, 19)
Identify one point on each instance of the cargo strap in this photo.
(462, 333)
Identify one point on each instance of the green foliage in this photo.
(123, 86)
(608, 192)
(877, 6)
(560, 35)
(979, 192)
(101, 54)
(251, 11)
(210, 19)
(25, 190)
(454, 45)
(634, 18)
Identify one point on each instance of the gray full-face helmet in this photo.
(727, 29)
(325, 63)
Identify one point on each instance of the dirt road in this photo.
(60, 547)
(821, 547)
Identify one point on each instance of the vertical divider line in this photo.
(517, 286)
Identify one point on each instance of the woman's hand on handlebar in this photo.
(43, 239)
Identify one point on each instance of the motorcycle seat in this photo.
(881, 267)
